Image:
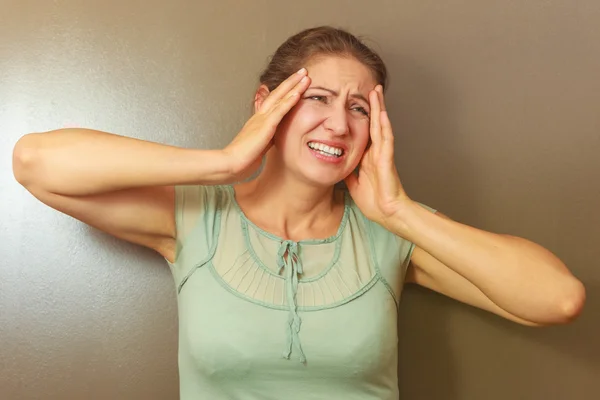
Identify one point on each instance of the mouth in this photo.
(325, 150)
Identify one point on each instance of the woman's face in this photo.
(322, 139)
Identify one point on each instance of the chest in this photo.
(225, 335)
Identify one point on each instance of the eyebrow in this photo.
(333, 92)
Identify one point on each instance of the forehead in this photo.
(340, 72)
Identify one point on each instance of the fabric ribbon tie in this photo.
(288, 260)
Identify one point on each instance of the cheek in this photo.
(299, 121)
(362, 136)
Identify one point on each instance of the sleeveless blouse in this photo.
(261, 317)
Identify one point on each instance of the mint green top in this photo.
(265, 318)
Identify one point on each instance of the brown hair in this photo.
(304, 46)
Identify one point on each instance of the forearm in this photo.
(519, 276)
(84, 162)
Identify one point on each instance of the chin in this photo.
(320, 178)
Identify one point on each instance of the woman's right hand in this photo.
(244, 154)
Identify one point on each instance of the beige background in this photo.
(496, 109)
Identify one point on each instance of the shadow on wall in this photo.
(579, 340)
(430, 353)
(426, 368)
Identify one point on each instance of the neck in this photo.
(292, 207)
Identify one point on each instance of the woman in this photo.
(286, 261)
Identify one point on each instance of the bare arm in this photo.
(430, 273)
(120, 185)
(510, 276)
(79, 162)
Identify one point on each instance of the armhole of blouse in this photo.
(192, 202)
(403, 259)
(177, 211)
(190, 205)
(375, 258)
(198, 215)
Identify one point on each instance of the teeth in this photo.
(325, 149)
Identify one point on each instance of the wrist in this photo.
(400, 221)
(211, 167)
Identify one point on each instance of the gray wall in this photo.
(496, 113)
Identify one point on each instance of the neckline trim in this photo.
(272, 236)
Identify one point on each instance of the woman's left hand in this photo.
(376, 189)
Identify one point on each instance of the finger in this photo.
(386, 126)
(379, 90)
(387, 136)
(283, 106)
(375, 128)
(283, 89)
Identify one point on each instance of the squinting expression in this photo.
(322, 139)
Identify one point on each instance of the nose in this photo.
(337, 120)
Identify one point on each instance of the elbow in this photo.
(573, 301)
(564, 309)
(569, 305)
(24, 159)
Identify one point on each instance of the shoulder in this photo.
(199, 193)
(379, 232)
(391, 252)
(197, 213)
(388, 249)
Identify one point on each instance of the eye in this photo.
(318, 98)
(361, 110)
(323, 99)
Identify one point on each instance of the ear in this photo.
(261, 94)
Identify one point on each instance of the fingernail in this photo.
(303, 79)
(302, 70)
